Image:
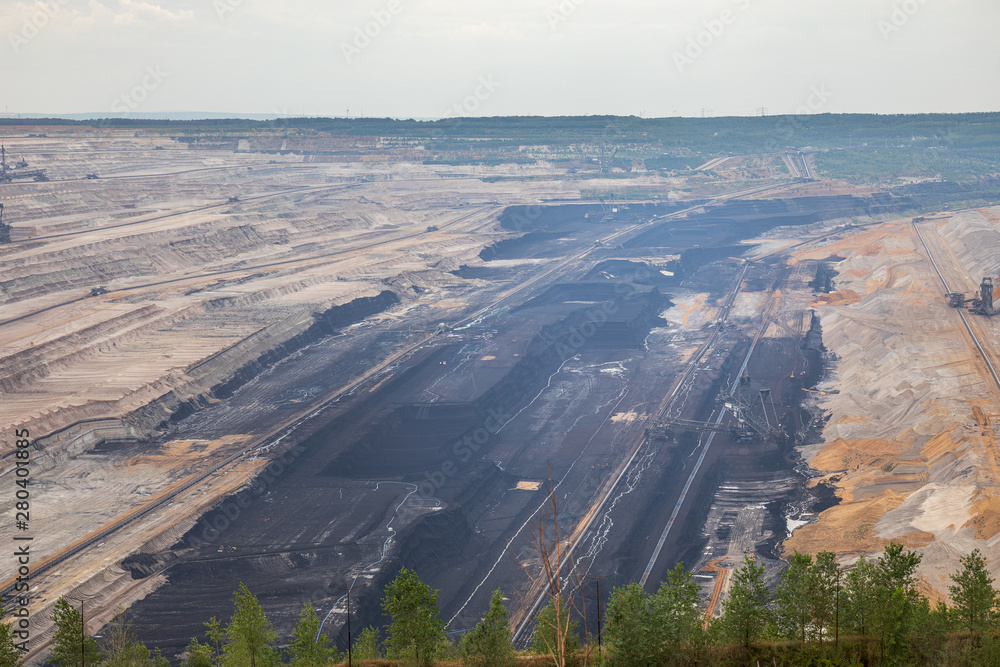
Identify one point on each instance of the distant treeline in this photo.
(815, 613)
(732, 133)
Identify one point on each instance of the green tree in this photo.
(553, 628)
(367, 646)
(414, 629)
(973, 595)
(10, 655)
(897, 568)
(677, 618)
(309, 648)
(858, 599)
(825, 576)
(746, 612)
(69, 646)
(629, 628)
(489, 643)
(249, 634)
(210, 654)
(794, 597)
(217, 638)
(930, 633)
(199, 655)
(896, 599)
(447, 650)
(122, 648)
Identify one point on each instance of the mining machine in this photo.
(983, 303)
(8, 173)
(752, 417)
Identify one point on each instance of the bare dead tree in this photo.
(563, 593)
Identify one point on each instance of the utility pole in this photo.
(598, 578)
(350, 647)
(836, 613)
(83, 639)
(600, 642)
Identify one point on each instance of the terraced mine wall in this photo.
(930, 194)
(223, 373)
(327, 323)
(211, 379)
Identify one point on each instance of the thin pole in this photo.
(348, 627)
(836, 636)
(599, 655)
(83, 639)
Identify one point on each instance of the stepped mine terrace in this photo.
(256, 367)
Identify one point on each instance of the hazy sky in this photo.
(431, 58)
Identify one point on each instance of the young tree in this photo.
(676, 615)
(122, 648)
(629, 628)
(309, 648)
(367, 646)
(894, 586)
(69, 646)
(415, 631)
(447, 650)
(794, 597)
(10, 655)
(746, 611)
(217, 639)
(199, 655)
(973, 595)
(249, 634)
(210, 654)
(825, 575)
(555, 632)
(858, 599)
(897, 568)
(489, 643)
(930, 631)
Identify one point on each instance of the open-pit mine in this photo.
(301, 360)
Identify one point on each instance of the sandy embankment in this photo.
(902, 446)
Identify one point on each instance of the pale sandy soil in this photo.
(902, 445)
